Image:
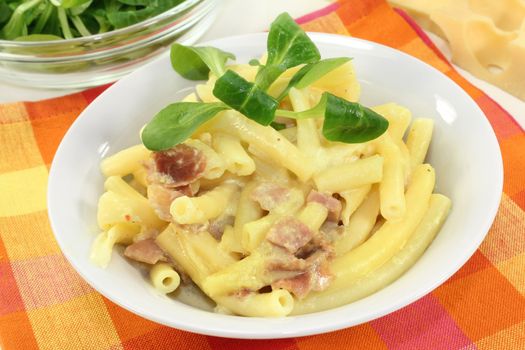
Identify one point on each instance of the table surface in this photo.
(256, 17)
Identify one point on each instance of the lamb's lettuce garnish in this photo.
(245, 97)
(176, 122)
(351, 122)
(288, 46)
(278, 126)
(344, 121)
(195, 62)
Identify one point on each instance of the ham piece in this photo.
(146, 251)
(177, 166)
(270, 195)
(160, 198)
(170, 174)
(333, 205)
(289, 233)
(314, 277)
(217, 226)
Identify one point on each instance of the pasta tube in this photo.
(229, 243)
(392, 186)
(268, 140)
(247, 211)
(254, 232)
(307, 134)
(313, 215)
(359, 226)
(277, 303)
(164, 278)
(102, 247)
(248, 273)
(198, 210)
(418, 140)
(199, 255)
(140, 175)
(398, 118)
(352, 200)
(117, 185)
(236, 158)
(171, 242)
(124, 162)
(115, 208)
(349, 176)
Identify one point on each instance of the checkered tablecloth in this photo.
(44, 304)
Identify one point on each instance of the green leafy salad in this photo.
(288, 47)
(37, 20)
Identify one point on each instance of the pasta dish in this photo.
(301, 212)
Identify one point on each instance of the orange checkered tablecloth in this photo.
(44, 304)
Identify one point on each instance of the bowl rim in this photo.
(98, 37)
(310, 321)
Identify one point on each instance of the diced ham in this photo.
(146, 251)
(319, 272)
(333, 205)
(298, 285)
(286, 262)
(305, 271)
(270, 195)
(289, 233)
(177, 166)
(285, 266)
(217, 226)
(160, 198)
(317, 243)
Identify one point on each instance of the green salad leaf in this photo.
(288, 46)
(74, 18)
(278, 126)
(68, 3)
(17, 26)
(5, 12)
(176, 122)
(351, 122)
(245, 97)
(195, 63)
(344, 121)
(124, 17)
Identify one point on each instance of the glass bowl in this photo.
(100, 59)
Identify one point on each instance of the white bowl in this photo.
(464, 152)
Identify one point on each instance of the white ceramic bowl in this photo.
(464, 152)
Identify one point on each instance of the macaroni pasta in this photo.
(270, 223)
